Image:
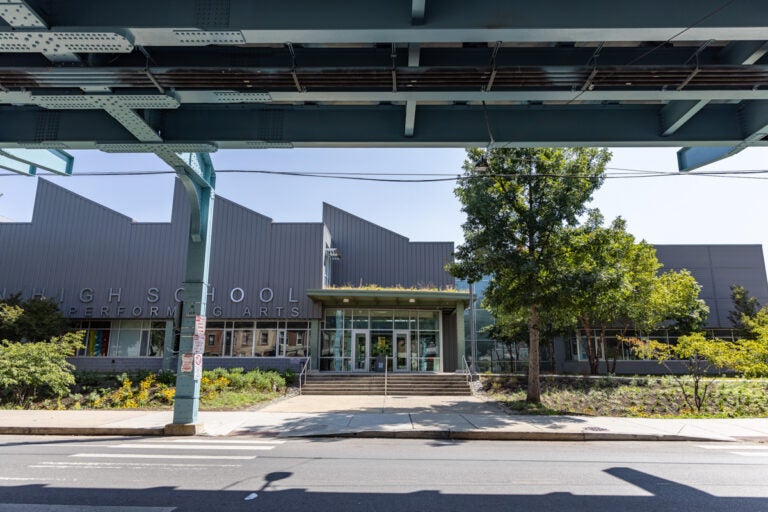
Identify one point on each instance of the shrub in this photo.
(33, 371)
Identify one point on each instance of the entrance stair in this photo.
(429, 384)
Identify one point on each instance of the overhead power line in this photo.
(424, 177)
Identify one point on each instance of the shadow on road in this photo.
(276, 494)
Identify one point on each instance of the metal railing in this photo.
(303, 374)
(467, 370)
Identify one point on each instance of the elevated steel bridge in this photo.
(183, 78)
(208, 74)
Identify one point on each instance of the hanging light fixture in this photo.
(482, 165)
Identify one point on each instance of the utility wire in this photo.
(422, 177)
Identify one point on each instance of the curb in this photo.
(82, 431)
(452, 435)
(470, 435)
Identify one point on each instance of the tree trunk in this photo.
(534, 393)
(593, 358)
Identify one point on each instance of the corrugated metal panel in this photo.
(73, 243)
(716, 268)
(371, 254)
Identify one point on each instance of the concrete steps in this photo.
(397, 384)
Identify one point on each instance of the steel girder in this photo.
(243, 73)
(178, 23)
(247, 126)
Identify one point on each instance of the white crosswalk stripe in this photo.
(742, 449)
(159, 446)
(186, 449)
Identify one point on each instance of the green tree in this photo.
(516, 212)
(752, 359)
(676, 303)
(8, 316)
(699, 355)
(611, 278)
(39, 320)
(745, 308)
(35, 370)
(615, 283)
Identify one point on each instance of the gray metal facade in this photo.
(716, 268)
(101, 264)
(372, 255)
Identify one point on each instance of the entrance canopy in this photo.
(358, 297)
(176, 76)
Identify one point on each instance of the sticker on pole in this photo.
(198, 336)
(187, 361)
(198, 367)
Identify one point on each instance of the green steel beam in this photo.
(174, 23)
(28, 161)
(754, 122)
(254, 126)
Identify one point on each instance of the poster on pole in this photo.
(186, 363)
(198, 366)
(198, 337)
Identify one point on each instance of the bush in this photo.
(34, 371)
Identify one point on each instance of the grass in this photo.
(649, 397)
(230, 400)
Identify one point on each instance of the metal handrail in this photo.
(467, 370)
(303, 373)
(386, 365)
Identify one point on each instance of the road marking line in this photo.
(733, 447)
(751, 454)
(157, 456)
(159, 446)
(224, 441)
(34, 507)
(110, 465)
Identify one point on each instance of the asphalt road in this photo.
(63, 474)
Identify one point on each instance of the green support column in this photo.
(461, 350)
(314, 343)
(198, 177)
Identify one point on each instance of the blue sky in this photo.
(678, 209)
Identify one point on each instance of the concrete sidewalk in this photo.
(377, 416)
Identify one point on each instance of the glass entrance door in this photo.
(360, 350)
(402, 351)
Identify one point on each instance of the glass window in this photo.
(213, 342)
(96, 340)
(129, 342)
(360, 319)
(266, 343)
(227, 351)
(428, 320)
(382, 320)
(243, 342)
(403, 321)
(295, 343)
(156, 343)
(430, 348)
(334, 318)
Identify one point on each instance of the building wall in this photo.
(100, 264)
(373, 255)
(716, 268)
